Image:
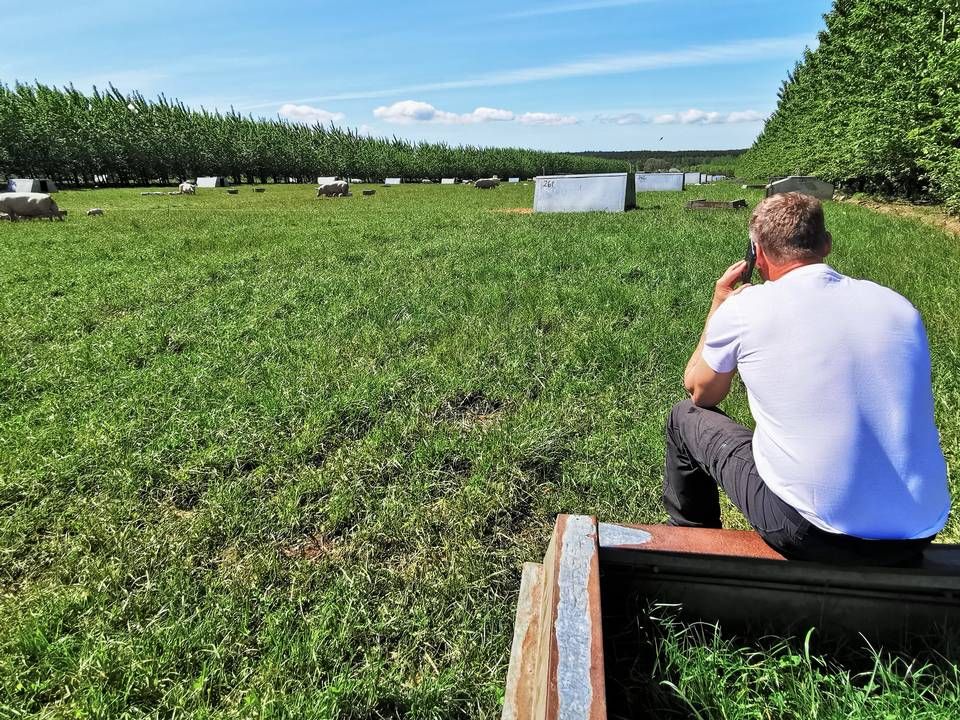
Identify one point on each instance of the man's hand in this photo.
(727, 284)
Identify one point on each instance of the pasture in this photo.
(267, 455)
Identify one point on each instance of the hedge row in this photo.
(112, 138)
(876, 107)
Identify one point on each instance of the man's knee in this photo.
(677, 412)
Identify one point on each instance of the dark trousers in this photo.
(706, 449)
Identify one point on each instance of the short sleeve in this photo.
(721, 347)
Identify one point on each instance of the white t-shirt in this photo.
(837, 372)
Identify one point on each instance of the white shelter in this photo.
(31, 185)
(650, 182)
(211, 181)
(391, 181)
(604, 192)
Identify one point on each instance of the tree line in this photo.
(876, 106)
(112, 138)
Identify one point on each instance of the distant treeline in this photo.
(876, 107)
(717, 161)
(112, 138)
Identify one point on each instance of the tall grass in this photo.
(703, 674)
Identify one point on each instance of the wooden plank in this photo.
(716, 205)
(518, 697)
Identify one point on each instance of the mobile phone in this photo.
(751, 258)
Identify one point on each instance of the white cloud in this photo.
(746, 116)
(628, 118)
(540, 118)
(689, 117)
(411, 111)
(484, 114)
(698, 56)
(309, 115)
(405, 112)
(692, 116)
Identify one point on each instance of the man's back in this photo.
(838, 376)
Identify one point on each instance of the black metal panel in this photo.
(889, 607)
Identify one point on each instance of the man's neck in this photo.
(780, 270)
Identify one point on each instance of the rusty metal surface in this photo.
(938, 559)
(519, 692)
(702, 541)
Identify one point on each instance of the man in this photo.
(845, 464)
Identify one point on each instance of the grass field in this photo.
(266, 455)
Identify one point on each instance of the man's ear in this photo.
(828, 246)
(761, 255)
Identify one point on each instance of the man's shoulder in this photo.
(882, 296)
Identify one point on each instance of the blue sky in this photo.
(562, 75)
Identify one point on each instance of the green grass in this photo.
(264, 455)
(702, 674)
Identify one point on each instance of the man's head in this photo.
(788, 230)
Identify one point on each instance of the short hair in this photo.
(790, 226)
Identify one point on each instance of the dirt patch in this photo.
(309, 548)
(184, 498)
(934, 216)
(515, 211)
(469, 409)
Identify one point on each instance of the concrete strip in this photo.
(576, 654)
(619, 535)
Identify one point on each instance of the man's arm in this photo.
(706, 386)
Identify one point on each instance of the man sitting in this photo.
(845, 464)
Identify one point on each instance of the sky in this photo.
(555, 75)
